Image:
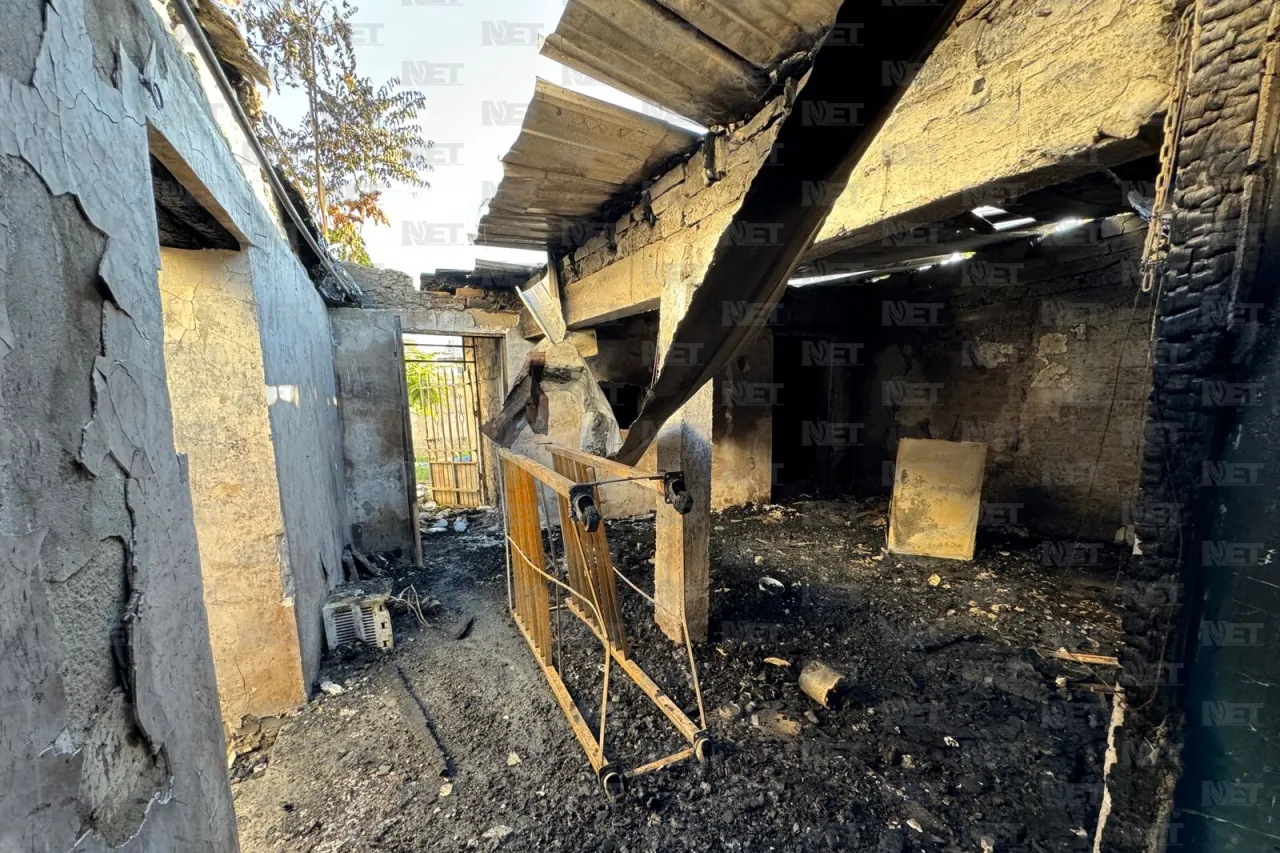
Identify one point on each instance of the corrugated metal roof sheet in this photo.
(763, 32)
(706, 60)
(573, 155)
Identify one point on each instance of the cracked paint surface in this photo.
(106, 684)
(94, 502)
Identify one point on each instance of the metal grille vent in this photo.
(344, 625)
(353, 616)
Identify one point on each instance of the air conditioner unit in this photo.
(353, 613)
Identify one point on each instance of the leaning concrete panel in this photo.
(937, 497)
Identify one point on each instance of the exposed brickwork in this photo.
(1215, 196)
(684, 198)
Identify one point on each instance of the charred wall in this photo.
(1037, 349)
(742, 427)
(1207, 469)
(623, 363)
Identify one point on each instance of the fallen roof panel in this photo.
(574, 154)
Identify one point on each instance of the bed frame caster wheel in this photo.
(613, 782)
(703, 747)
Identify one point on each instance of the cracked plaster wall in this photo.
(107, 687)
(213, 159)
(111, 736)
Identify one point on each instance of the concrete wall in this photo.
(440, 314)
(302, 401)
(492, 393)
(369, 362)
(500, 352)
(214, 364)
(1023, 348)
(495, 314)
(492, 323)
(296, 353)
(111, 738)
(1016, 98)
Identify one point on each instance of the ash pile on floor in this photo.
(959, 731)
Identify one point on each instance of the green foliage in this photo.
(348, 245)
(356, 138)
(424, 379)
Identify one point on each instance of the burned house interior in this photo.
(877, 455)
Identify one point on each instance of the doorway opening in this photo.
(444, 417)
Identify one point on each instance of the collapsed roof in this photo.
(712, 62)
(574, 154)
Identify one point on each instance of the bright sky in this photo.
(476, 62)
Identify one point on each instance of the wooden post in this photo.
(682, 561)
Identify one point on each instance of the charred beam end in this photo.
(334, 293)
(183, 221)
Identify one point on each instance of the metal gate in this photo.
(444, 406)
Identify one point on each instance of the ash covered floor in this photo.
(961, 731)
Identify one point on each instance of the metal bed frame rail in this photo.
(588, 589)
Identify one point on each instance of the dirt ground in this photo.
(960, 731)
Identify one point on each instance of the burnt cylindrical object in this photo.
(821, 683)
(676, 493)
(582, 501)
